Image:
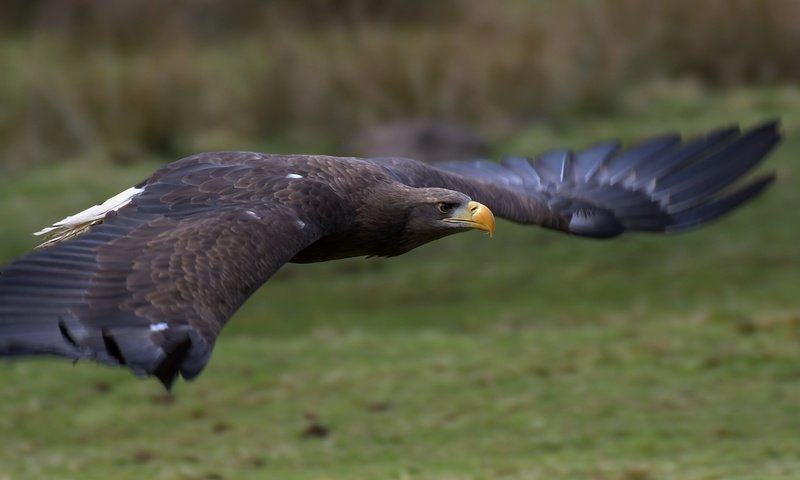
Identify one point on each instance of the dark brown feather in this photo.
(152, 284)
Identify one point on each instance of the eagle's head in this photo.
(416, 216)
(438, 212)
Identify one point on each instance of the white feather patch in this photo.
(75, 224)
(158, 327)
(294, 175)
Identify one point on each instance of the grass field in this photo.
(528, 356)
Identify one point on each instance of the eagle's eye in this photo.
(445, 207)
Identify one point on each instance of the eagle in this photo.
(148, 278)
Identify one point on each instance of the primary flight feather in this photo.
(148, 278)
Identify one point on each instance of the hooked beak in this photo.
(475, 215)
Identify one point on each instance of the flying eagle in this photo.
(149, 278)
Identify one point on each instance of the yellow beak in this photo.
(476, 215)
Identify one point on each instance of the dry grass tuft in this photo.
(164, 78)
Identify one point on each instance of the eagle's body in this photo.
(148, 278)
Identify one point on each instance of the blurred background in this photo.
(542, 356)
(137, 78)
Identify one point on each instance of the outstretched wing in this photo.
(661, 185)
(152, 285)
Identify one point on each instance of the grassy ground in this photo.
(529, 356)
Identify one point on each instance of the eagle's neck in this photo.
(379, 228)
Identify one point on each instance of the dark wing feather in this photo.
(152, 286)
(661, 185)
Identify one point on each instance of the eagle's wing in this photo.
(661, 185)
(151, 286)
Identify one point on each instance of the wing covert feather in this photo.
(151, 286)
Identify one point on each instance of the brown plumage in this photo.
(155, 276)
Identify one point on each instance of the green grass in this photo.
(528, 356)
